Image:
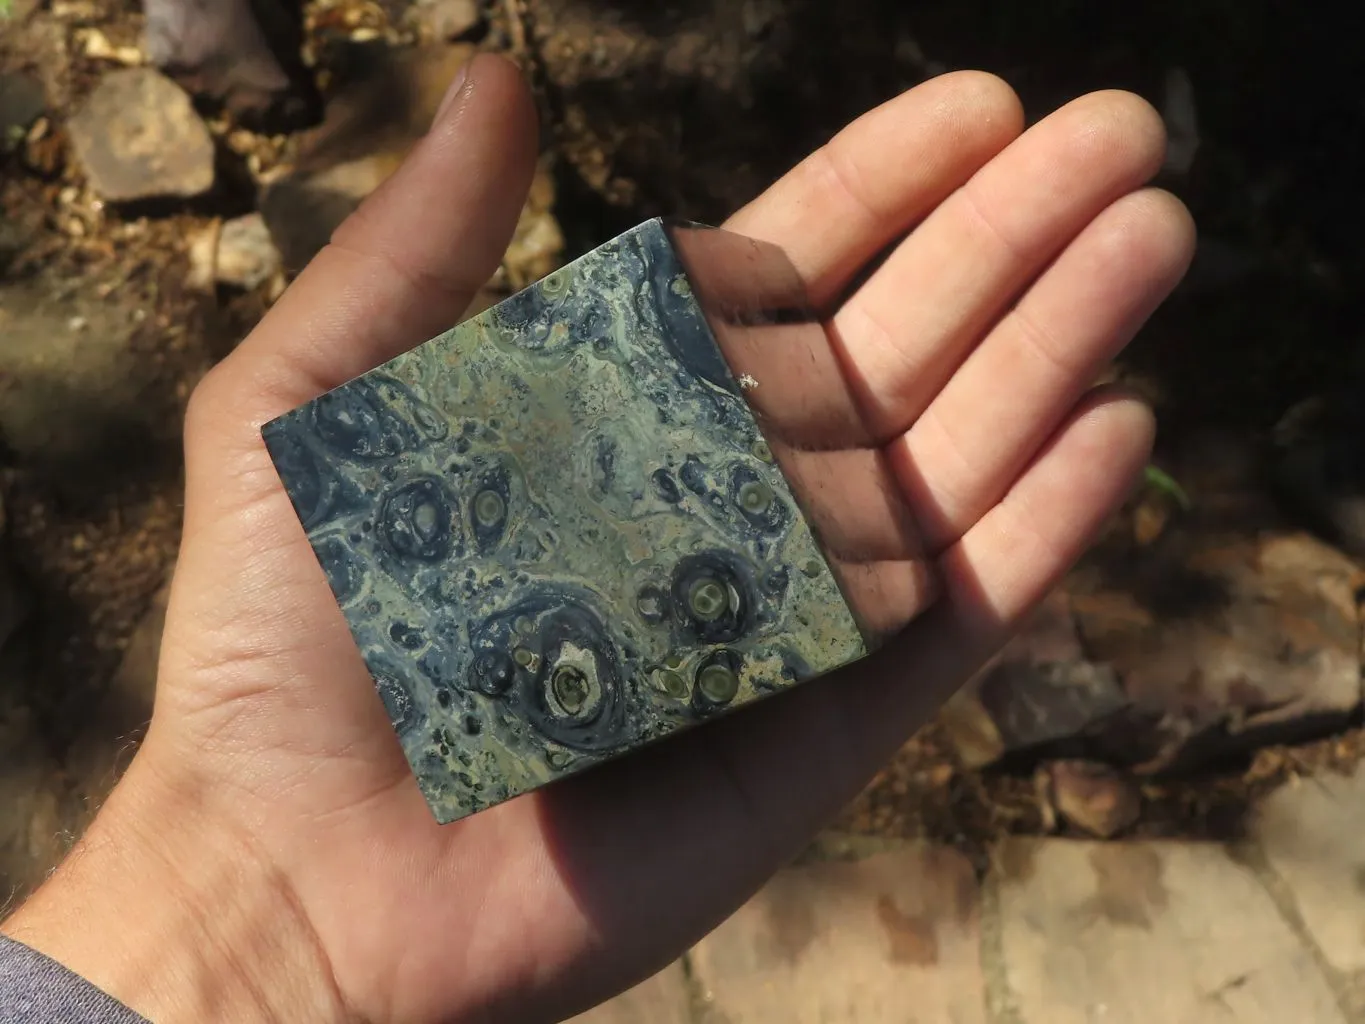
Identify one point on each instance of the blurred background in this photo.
(1186, 708)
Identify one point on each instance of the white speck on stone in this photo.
(747, 383)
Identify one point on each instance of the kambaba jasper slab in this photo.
(557, 531)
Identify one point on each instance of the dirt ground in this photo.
(686, 109)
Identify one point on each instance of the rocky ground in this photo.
(1208, 650)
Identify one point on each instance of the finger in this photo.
(885, 595)
(1008, 397)
(993, 577)
(405, 265)
(910, 326)
(856, 509)
(881, 175)
(853, 501)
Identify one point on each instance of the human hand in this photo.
(268, 854)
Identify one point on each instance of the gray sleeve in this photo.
(34, 988)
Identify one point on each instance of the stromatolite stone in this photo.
(557, 531)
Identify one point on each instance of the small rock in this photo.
(968, 726)
(96, 45)
(1040, 690)
(44, 149)
(202, 251)
(21, 103)
(246, 254)
(138, 137)
(244, 53)
(1093, 797)
(449, 20)
(1151, 518)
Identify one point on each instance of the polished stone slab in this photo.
(557, 531)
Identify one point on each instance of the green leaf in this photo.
(1160, 480)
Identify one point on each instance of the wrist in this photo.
(170, 910)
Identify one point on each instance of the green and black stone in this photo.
(557, 532)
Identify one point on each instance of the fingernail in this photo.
(456, 87)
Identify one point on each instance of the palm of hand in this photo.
(968, 355)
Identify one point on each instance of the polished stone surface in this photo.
(557, 531)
